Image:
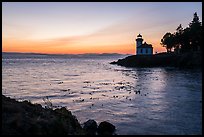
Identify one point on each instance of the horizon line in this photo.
(63, 53)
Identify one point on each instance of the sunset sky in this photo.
(75, 28)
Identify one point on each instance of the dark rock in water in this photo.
(106, 128)
(138, 91)
(90, 127)
(114, 62)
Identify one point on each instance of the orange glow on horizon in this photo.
(61, 47)
(53, 47)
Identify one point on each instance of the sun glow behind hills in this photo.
(75, 28)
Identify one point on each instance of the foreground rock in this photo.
(32, 119)
(90, 127)
(186, 60)
(104, 128)
(24, 118)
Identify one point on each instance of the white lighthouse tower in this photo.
(139, 41)
(143, 48)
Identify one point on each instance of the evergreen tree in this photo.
(196, 22)
(195, 30)
(178, 36)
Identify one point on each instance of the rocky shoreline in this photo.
(25, 118)
(185, 60)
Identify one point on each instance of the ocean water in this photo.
(144, 101)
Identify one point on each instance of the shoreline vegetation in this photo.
(184, 60)
(25, 118)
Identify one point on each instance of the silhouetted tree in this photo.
(195, 31)
(168, 41)
(178, 38)
(185, 40)
(196, 22)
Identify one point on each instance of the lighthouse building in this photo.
(143, 48)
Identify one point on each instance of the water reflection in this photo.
(165, 102)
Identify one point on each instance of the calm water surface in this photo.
(136, 100)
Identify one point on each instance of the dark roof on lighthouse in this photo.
(139, 35)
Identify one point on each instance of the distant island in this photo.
(85, 55)
(185, 43)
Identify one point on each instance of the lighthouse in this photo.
(143, 48)
(139, 41)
